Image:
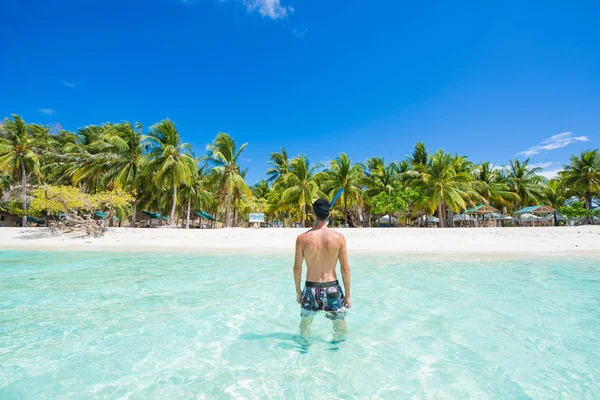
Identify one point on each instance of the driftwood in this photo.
(83, 224)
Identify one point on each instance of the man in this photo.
(322, 248)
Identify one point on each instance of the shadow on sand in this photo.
(43, 233)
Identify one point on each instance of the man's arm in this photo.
(299, 257)
(345, 267)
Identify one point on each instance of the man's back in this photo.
(321, 249)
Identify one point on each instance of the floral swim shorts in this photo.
(323, 296)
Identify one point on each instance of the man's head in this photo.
(321, 209)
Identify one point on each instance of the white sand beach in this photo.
(582, 240)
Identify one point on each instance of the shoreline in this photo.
(526, 242)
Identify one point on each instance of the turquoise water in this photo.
(168, 326)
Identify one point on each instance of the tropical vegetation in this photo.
(157, 173)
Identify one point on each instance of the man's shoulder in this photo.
(338, 235)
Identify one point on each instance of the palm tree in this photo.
(419, 157)
(196, 195)
(223, 157)
(525, 182)
(280, 166)
(126, 147)
(555, 196)
(488, 182)
(379, 177)
(444, 186)
(343, 175)
(17, 155)
(582, 176)
(301, 186)
(170, 162)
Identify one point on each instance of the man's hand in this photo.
(299, 297)
(347, 302)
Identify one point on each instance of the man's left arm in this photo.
(298, 258)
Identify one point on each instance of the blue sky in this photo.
(493, 81)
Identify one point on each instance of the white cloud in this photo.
(541, 165)
(68, 84)
(46, 111)
(553, 142)
(547, 172)
(299, 32)
(268, 8)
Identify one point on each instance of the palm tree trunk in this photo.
(173, 205)
(133, 212)
(440, 216)
(187, 223)
(303, 220)
(234, 222)
(228, 224)
(24, 192)
(345, 210)
(451, 218)
(555, 219)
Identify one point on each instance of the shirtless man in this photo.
(321, 247)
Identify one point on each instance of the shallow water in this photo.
(120, 325)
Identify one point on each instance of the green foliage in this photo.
(14, 207)
(71, 200)
(399, 200)
(578, 210)
(95, 167)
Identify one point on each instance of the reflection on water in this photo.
(115, 325)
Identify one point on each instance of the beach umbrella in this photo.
(462, 218)
(385, 220)
(498, 216)
(433, 220)
(550, 217)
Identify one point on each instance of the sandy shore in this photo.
(584, 240)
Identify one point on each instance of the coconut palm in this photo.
(196, 195)
(280, 165)
(444, 185)
(419, 157)
(488, 182)
(582, 176)
(555, 196)
(301, 186)
(525, 182)
(170, 162)
(17, 155)
(342, 174)
(223, 157)
(126, 149)
(379, 176)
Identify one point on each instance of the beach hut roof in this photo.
(34, 220)
(536, 210)
(559, 217)
(104, 215)
(482, 209)
(155, 215)
(202, 214)
(529, 217)
(498, 216)
(386, 219)
(433, 219)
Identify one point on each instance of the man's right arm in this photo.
(298, 258)
(345, 267)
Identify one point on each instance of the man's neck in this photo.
(320, 225)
